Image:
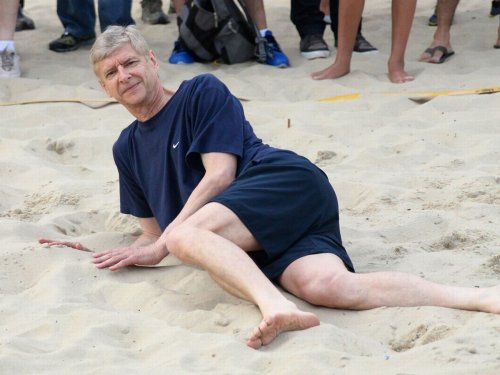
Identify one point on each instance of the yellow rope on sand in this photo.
(419, 97)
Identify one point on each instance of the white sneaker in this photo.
(9, 64)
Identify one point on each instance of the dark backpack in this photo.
(219, 30)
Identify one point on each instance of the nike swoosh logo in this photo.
(175, 145)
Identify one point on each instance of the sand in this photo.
(418, 185)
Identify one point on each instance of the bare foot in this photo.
(333, 71)
(435, 55)
(400, 76)
(273, 325)
(397, 73)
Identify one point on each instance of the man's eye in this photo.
(110, 74)
(131, 63)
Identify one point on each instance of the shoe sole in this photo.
(10, 74)
(181, 63)
(315, 54)
(15, 75)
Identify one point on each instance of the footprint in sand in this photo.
(494, 264)
(323, 156)
(59, 147)
(420, 335)
(457, 240)
(37, 204)
(74, 149)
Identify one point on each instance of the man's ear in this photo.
(154, 60)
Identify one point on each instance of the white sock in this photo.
(7, 44)
(263, 32)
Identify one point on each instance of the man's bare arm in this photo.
(220, 171)
(151, 231)
(150, 247)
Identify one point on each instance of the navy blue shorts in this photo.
(289, 206)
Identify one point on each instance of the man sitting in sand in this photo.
(207, 190)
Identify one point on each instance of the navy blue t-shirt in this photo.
(159, 162)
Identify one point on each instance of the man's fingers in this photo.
(73, 245)
(113, 260)
(124, 263)
(49, 241)
(101, 257)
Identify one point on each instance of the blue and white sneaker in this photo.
(180, 55)
(275, 55)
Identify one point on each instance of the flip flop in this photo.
(445, 54)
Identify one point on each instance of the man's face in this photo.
(128, 76)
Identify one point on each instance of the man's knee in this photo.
(328, 289)
(179, 242)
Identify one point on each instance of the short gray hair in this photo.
(112, 38)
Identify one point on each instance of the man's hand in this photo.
(73, 245)
(118, 258)
(126, 256)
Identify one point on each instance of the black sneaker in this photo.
(152, 13)
(314, 46)
(495, 8)
(23, 22)
(68, 42)
(362, 45)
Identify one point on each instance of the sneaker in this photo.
(495, 8)
(313, 47)
(23, 22)
(274, 54)
(152, 13)
(433, 20)
(362, 45)
(180, 55)
(9, 66)
(68, 42)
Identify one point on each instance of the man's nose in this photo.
(123, 73)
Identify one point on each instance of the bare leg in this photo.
(350, 12)
(497, 44)
(8, 15)
(257, 12)
(445, 12)
(402, 19)
(323, 280)
(216, 240)
(178, 5)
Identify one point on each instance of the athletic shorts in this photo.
(291, 209)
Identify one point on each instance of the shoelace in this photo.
(7, 60)
(67, 37)
(272, 43)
